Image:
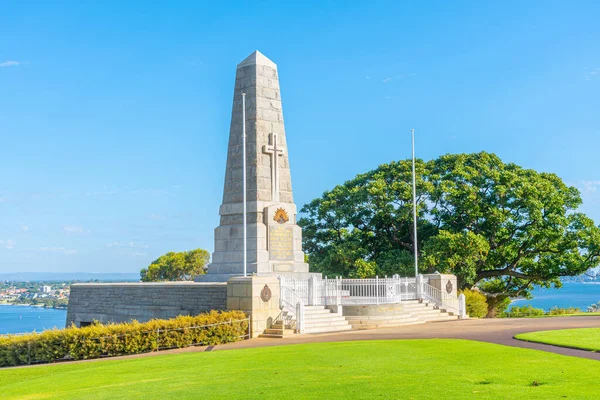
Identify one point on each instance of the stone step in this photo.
(284, 332)
(417, 305)
(390, 325)
(340, 328)
(325, 321)
(323, 317)
(270, 335)
(379, 317)
(426, 313)
(324, 326)
(322, 311)
(378, 320)
(280, 327)
(386, 323)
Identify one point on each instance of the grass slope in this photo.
(402, 369)
(582, 338)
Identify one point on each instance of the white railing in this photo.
(443, 300)
(323, 292)
(328, 292)
(292, 302)
(374, 290)
(409, 288)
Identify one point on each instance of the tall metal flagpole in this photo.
(244, 176)
(412, 131)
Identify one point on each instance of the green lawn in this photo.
(583, 338)
(402, 369)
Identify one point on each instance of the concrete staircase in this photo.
(413, 312)
(278, 330)
(318, 319)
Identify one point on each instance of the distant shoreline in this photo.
(32, 305)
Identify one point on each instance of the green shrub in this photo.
(525, 311)
(477, 306)
(119, 339)
(564, 311)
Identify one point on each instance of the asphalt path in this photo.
(498, 331)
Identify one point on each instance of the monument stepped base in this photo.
(408, 312)
(225, 277)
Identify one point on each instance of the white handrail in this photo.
(292, 303)
(442, 299)
(326, 292)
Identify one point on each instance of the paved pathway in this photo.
(499, 331)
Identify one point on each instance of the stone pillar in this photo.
(444, 282)
(258, 296)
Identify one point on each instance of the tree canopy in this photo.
(172, 266)
(497, 226)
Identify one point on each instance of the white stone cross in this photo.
(275, 152)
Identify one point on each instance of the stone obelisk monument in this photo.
(274, 239)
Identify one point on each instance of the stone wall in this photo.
(258, 297)
(122, 302)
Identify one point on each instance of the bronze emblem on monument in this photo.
(281, 216)
(449, 287)
(265, 294)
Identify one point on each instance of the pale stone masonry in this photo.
(246, 294)
(122, 302)
(443, 282)
(274, 239)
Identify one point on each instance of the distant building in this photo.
(46, 289)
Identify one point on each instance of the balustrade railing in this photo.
(338, 291)
(442, 299)
(298, 293)
(292, 302)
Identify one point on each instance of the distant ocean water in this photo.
(572, 294)
(19, 319)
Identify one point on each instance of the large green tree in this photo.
(364, 227)
(172, 266)
(497, 226)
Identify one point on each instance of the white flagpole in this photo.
(244, 176)
(412, 131)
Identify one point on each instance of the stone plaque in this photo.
(265, 294)
(449, 287)
(281, 242)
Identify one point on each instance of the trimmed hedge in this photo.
(120, 339)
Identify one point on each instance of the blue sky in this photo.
(114, 116)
